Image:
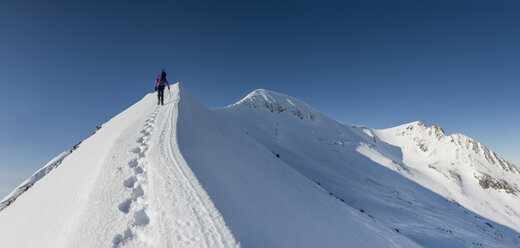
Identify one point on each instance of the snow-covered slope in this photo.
(459, 168)
(27, 184)
(125, 186)
(364, 169)
(182, 175)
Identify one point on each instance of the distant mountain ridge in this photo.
(471, 170)
(455, 166)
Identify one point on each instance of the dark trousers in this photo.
(160, 94)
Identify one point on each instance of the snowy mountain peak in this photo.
(338, 158)
(470, 144)
(422, 135)
(420, 129)
(459, 167)
(278, 103)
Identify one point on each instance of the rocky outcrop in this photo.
(487, 182)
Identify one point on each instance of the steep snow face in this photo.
(460, 168)
(265, 202)
(363, 169)
(180, 175)
(125, 186)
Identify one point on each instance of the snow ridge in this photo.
(349, 162)
(126, 186)
(195, 221)
(243, 176)
(421, 132)
(277, 102)
(468, 143)
(268, 171)
(459, 168)
(27, 184)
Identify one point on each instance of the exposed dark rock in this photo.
(28, 187)
(97, 129)
(274, 107)
(10, 202)
(487, 182)
(76, 146)
(456, 176)
(298, 113)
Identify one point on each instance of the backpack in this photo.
(162, 79)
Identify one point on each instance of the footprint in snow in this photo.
(137, 192)
(141, 141)
(141, 218)
(133, 163)
(138, 170)
(120, 240)
(136, 150)
(125, 206)
(130, 182)
(140, 151)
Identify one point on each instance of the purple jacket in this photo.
(157, 81)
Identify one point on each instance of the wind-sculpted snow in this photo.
(265, 202)
(126, 186)
(371, 170)
(46, 169)
(269, 171)
(177, 176)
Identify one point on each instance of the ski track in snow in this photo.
(136, 205)
(195, 222)
(168, 205)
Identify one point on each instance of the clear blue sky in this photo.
(67, 66)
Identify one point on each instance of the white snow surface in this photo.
(268, 171)
(180, 175)
(454, 166)
(383, 174)
(27, 184)
(125, 186)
